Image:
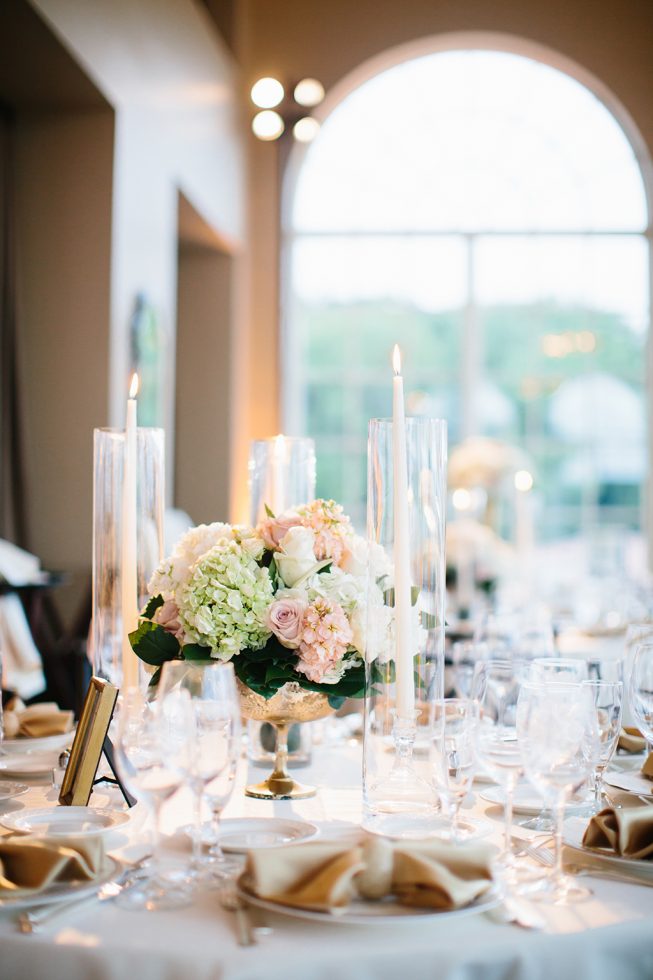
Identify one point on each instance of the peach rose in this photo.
(285, 619)
(167, 616)
(274, 529)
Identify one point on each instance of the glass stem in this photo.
(216, 850)
(598, 790)
(197, 836)
(155, 863)
(507, 815)
(559, 816)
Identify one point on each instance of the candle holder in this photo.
(108, 469)
(281, 474)
(404, 664)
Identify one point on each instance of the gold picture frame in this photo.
(86, 749)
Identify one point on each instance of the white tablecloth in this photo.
(608, 937)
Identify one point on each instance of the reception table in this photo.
(607, 937)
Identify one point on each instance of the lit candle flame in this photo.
(396, 359)
(133, 387)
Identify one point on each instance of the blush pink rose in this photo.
(167, 616)
(285, 619)
(274, 529)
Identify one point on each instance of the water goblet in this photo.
(217, 794)
(151, 756)
(558, 735)
(496, 687)
(453, 759)
(607, 697)
(640, 690)
(213, 702)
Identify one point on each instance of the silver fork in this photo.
(33, 921)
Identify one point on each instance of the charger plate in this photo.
(526, 802)
(64, 891)
(360, 913)
(572, 835)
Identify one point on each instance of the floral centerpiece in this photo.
(283, 601)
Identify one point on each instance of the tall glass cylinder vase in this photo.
(405, 627)
(281, 474)
(108, 470)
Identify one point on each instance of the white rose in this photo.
(296, 555)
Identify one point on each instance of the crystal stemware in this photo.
(640, 690)
(151, 755)
(558, 735)
(453, 758)
(607, 697)
(496, 687)
(210, 690)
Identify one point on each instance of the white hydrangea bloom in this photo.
(223, 604)
(175, 570)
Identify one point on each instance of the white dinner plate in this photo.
(64, 891)
(360, 913)
(526, 802)
(65, 821)
(238, 836)
(572, 835)
(632, 782)
(27, 766)
(33, 746)
(9, 790)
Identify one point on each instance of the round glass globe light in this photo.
(267, 93)
(306, 129)
(309, 92)
(267, 125)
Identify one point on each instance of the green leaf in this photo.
(389, 596)
(155, 678)
(269, 512)
(195, 652)
(153, 644)
(335, 702)
(155, 603)
(274, 573)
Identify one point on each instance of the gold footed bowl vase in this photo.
(291, 704)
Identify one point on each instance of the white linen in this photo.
(17, 566)
(605, 938)
(22, 668)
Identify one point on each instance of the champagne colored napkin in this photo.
(37, 721)
(631, 740)
(627, 832)
(647, 768)
(29, 864)
(327, 876)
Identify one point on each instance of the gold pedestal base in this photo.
(295, 791)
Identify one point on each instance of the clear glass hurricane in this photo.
(454, 760)
(558, 736)
(214, 705)
(152, 758)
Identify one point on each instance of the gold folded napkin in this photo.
(647, 768)
(327, 876)
(631, 740)
(627, 832)
(30, 864)
(37, 721)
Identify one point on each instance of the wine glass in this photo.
(152, 759)
(496, 687)
(607, 697)
(217, 794)
(558, 734)
(453, 759)
(640, 690)
(210, 690)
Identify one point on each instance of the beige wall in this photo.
(296, 38)
(63, 172)
(174, 87)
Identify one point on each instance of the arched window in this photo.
(488, 212)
